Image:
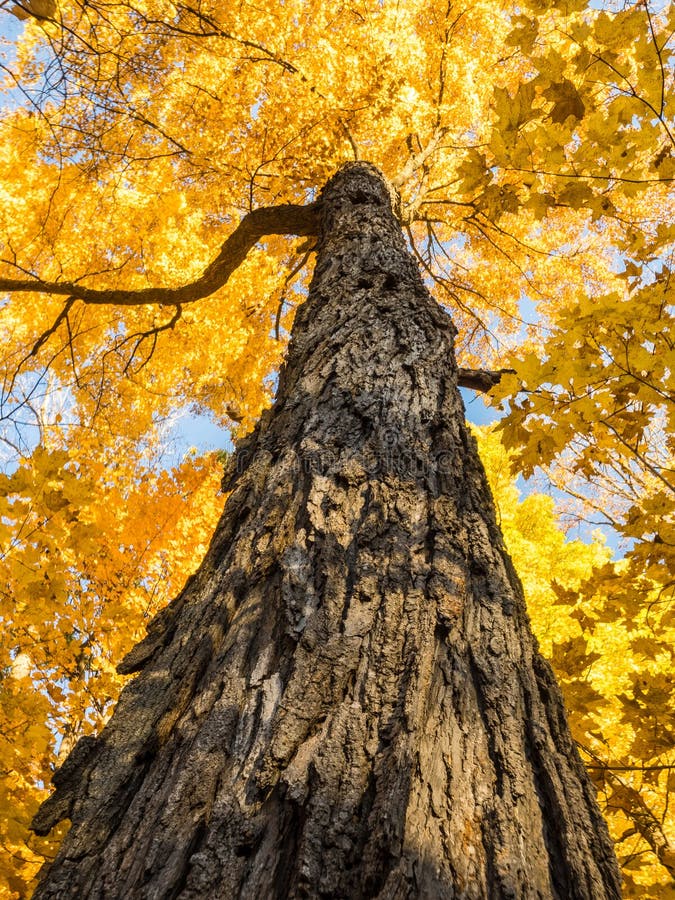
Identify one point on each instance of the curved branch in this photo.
(284, 219)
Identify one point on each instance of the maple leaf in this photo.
(566, 101)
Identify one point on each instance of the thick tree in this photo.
(346, 700)
(161, 163)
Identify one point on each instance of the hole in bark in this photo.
(358, 196)
(442, 630)
(249, 841)
(364, 283)
(148, 752)
(390, 283)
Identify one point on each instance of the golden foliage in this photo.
(534, 150)
(610, 635)
(92, 543)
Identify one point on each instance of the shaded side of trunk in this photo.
(346, 701)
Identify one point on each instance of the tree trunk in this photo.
(346, 701)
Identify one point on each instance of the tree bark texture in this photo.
(346, 701)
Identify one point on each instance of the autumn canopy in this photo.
(158, 166)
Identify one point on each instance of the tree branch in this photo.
(284, 219)
(482, 380)
(633, 805)
(645, 822)
(418, 159)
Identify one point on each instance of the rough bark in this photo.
(346, 701)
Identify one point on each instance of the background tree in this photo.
(535, 161)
